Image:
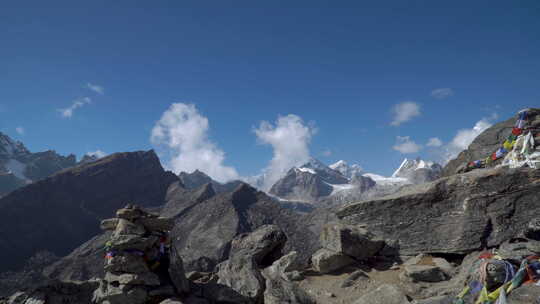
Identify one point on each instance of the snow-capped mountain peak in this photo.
(409, 165)
(346, 170)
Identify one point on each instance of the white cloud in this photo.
(463, 139)
(404, 112)
(183, 131)
(405, 145)
(442, 93)
(434, 142)
(78, 103)
(290, 138)
(19, 130)
(96, 88)
(97, 153)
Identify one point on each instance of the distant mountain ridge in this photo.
(19, 166)
(338, 183)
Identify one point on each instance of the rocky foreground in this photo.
(465, 238)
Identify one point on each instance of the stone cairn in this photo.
(137, 258)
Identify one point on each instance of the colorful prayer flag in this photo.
(516, 131)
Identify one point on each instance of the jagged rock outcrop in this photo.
(179, 199)
(488, 142)
(137, 266)
(342, 245)
(456, 214)
(249, 254)
(280, 280)
(196, 179)
(204, 231)
(63, 211)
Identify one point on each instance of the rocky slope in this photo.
(205, 227)
(62, 211)
(197, 179)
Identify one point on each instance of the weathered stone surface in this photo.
(156, 223)
(177, 273)
(126, 263)
(145, 278)
(457, 214)
(443, 264)
(353, 278)
(514, 251)
(203, 232)
(425, 273)
(384, 294)
(278, 286)
(437, 300)
(130, 214)
(109, 224)
(119, 294)
(132, 241)
(350, 240)
(526, 294)
(326, 261)
(218, 293)
(125, 227)
(83, 195)
(249, 254)
(55, 292)
(534, 246)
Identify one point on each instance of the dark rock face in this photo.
(180, 199)
(83, 263)
(488, 142)
(64, 210)
(197, 179)
(353, 241)
(249, 254)
(204, 231)
(457, 214)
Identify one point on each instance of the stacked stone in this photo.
(137, 246)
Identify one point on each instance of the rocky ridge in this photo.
(62, 211)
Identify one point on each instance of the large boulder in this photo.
(350, 240)
(249, 254)
(204, 231)
(456, 214)
(280, 287)
(327, 261)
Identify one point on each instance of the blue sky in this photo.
(342, 67)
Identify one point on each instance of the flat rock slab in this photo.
(326, 261)
(350, 240)
(384, 294)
